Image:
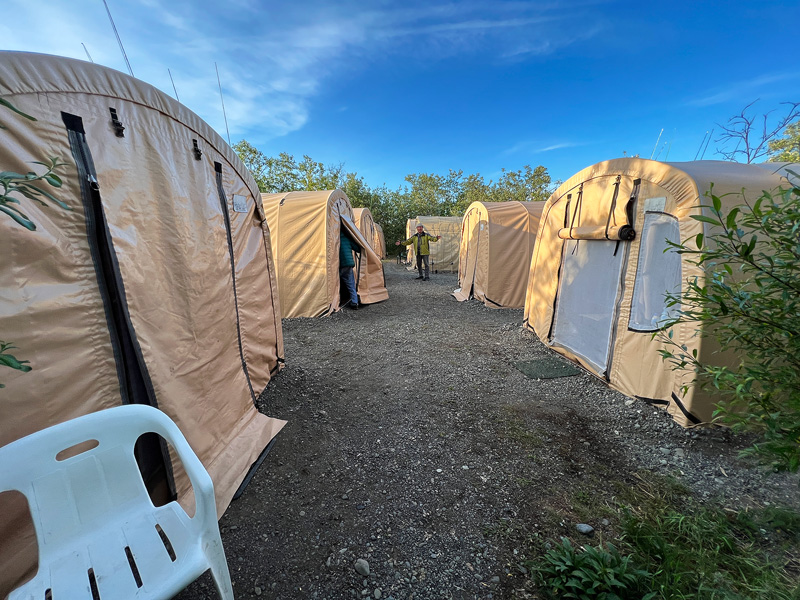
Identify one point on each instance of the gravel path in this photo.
(414, 444)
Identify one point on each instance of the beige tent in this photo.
(599, 271)
(380, 241)
(411, 228)
(156, 287)
(305, 243)
(497, 241)
(368, 228)
(444, 253)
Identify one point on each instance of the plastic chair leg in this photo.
(219, 571)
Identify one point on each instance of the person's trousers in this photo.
(423, 258)
(349, 283)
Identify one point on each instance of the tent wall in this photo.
(380, 241)
(411, 229)
(497, 240)
(584, 295)
(305, 230)
(444, 253)
(181, 238)
(366, 225)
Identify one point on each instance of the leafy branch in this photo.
(12, 186)
(749, 300)
(23, 185)
(8, 360)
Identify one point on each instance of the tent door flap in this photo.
(136, 387)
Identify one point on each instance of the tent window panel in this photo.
(658, 273)
(587, 298)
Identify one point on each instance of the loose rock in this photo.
(362, 567)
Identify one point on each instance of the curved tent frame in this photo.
(157, 285)
(305, 230)
(497, 240)
(601, 268)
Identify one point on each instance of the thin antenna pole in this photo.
(223, 103)
(173, 85)
(707, 143)
(668, 145)
(119, 41)
(89, 56)
(654, 147)
(700, 147)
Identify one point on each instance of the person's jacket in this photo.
(346, 249)
(421, 242)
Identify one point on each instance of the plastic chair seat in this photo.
(99, 534)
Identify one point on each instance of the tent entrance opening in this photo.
(587, 299)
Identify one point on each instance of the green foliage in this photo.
(592, 573)
(424, 193)
(703, 552)
(787, 148)
(749, 299)
(22, 184)
(9, 360)
(19, 184)
(11, 107)
(671, 547)
(284, 174)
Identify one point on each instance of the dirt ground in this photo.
(413, 443)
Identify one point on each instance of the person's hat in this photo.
(420, 227)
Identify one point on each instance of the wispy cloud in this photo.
(533, 147)
(743, 91)
(274, 58)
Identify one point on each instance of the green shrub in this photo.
(751, 299)
(592, 573)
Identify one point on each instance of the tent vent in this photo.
(116, 123)
(198, 154)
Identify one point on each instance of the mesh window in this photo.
(658, 273)
(587, 299)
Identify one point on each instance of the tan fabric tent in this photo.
(368, 228)
(411, 229)
(444, 253)
(305, 243)
(157, 287)
(599, 271)
(380, 241)
(497, 240)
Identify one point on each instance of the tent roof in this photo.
(685, 180)
(32, 73)
(533, 208)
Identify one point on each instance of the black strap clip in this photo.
(116, 123)
(198, 154)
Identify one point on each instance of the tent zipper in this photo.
(223, 201)
(136, 387)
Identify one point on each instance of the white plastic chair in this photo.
(99, 534)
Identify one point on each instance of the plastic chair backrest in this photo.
(81, 477)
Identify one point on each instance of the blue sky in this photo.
(391, 88)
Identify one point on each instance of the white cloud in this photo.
(744, 91)
(533, 147)
(274, 57)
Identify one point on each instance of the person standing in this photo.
(346, 264)
(422, 249)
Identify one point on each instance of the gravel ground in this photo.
(414, 444)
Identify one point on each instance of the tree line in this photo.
(422, 194)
